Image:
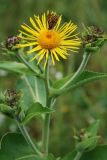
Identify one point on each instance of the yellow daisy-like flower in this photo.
(49, 38)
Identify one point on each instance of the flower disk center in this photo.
(49, 39)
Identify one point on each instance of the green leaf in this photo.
(14, 146)
(16, 67)
(85, 77)
(36, 110)
(36, 92)
(99, 153)
(90, 138)
(40, 91)
(34, 157)
(61, 82)
(87, 144)
(70, 156)
(93, 129)
(30, 157)
(5, 108)
(22, 84)
(49, 157)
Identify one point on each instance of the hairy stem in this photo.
(46, 133)
(47, 116)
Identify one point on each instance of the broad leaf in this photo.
(23, 84)
(40, 91)
(36, 110)
(16, 67)
(99, 153)
(35, 93)
(61, 82)
(14, 146)
(85, 77)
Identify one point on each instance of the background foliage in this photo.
(78, 108)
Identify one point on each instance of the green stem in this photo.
(47, 116)
(28, 138)
(78, 156)
(46, 129)
(28, 65)
(46, 133)
(82, 66)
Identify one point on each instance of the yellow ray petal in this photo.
(26, 45)
(28, 29)
(55, 55)
(41, 56)
(44, 21)
(27, 38)
(37, 48)
(31, 36)
(53, 61)
(47, 56)
(34, 25)
(64, 37)
(38, 54)
(61, 53)
(39, 22)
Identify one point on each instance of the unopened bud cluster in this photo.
(12, 41)
(93, 38)
(10, 103)
(12, 97)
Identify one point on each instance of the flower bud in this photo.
(11, 42)
(87, 139)
(10, 104)
(93, 38)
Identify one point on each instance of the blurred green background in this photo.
(81, 106)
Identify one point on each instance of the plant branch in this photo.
(22, 59)
(81, 68)
(46, 128)
(45, 137)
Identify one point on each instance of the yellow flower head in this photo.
(49, 38)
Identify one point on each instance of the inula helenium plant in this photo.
(47, 40)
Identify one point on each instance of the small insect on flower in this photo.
(49, 38)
